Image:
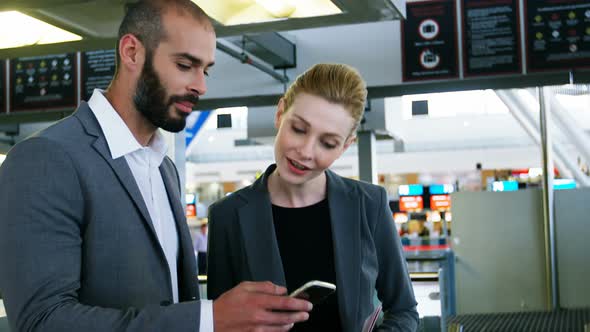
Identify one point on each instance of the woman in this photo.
(299, 221)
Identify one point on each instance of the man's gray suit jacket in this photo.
(78, 251)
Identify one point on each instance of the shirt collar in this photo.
(119, 138)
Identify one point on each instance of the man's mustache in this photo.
(193, 99)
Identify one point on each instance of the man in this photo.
(201, 248)
(92, 232)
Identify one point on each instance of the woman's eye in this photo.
(329, 145)
(298, 130)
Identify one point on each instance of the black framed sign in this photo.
(3, 87)
(491, 42)
(98, 68)
(429, 41)
(43, 82)
(557, 34)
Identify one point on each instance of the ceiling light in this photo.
(234, 12)
(26, 30)
(278, 8)
(2, 158)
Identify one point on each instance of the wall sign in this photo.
(429, 41)
(2, 87)
(491, 42)
(43, 82)
(557, 34)
(98, 68)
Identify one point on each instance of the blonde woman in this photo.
(299, 221)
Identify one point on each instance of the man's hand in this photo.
(258, 306)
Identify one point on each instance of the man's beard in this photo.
(151, 101)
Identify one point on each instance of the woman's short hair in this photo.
(338, 83)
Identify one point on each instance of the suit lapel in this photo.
(187, 269)
(256, 223)
(345, 220)
(119, 167)
(123, 172)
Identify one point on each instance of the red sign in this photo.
(410, 203)
(440, 202)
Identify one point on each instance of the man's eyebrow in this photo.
(193, 59)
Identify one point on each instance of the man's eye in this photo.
(206, 73)
(183, 67)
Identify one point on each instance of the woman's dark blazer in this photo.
(367, 250)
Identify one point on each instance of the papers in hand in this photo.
(371, 320)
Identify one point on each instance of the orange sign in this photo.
(410, 203)
(440, 202)
(191, 210)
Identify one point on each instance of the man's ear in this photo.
(132, 53)
(279, 113)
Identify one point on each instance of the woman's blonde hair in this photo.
(338, 83)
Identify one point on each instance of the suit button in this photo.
(165, 303)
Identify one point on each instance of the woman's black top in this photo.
(305, 242)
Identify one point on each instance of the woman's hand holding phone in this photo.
(314, 291)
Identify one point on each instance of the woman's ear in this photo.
(280, 112)
(351, 139)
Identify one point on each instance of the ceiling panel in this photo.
(97, 21)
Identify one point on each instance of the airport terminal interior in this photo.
(477, 125)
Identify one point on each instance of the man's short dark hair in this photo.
(143, 19)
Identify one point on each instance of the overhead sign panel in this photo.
(491, 43)
(2, 86)
(557, 34)
(43, 82)
(429, 41)
(98, 68)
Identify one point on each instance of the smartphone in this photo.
(314, 291)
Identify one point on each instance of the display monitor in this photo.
(504, 186)
(400, 217)
(410, 190)
(191, 210)
(561, 184)
(441, 189)
(190, 198)
(440, 202)
(411, 203)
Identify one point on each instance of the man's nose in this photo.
(198, 84)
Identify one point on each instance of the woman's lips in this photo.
(295, 169)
